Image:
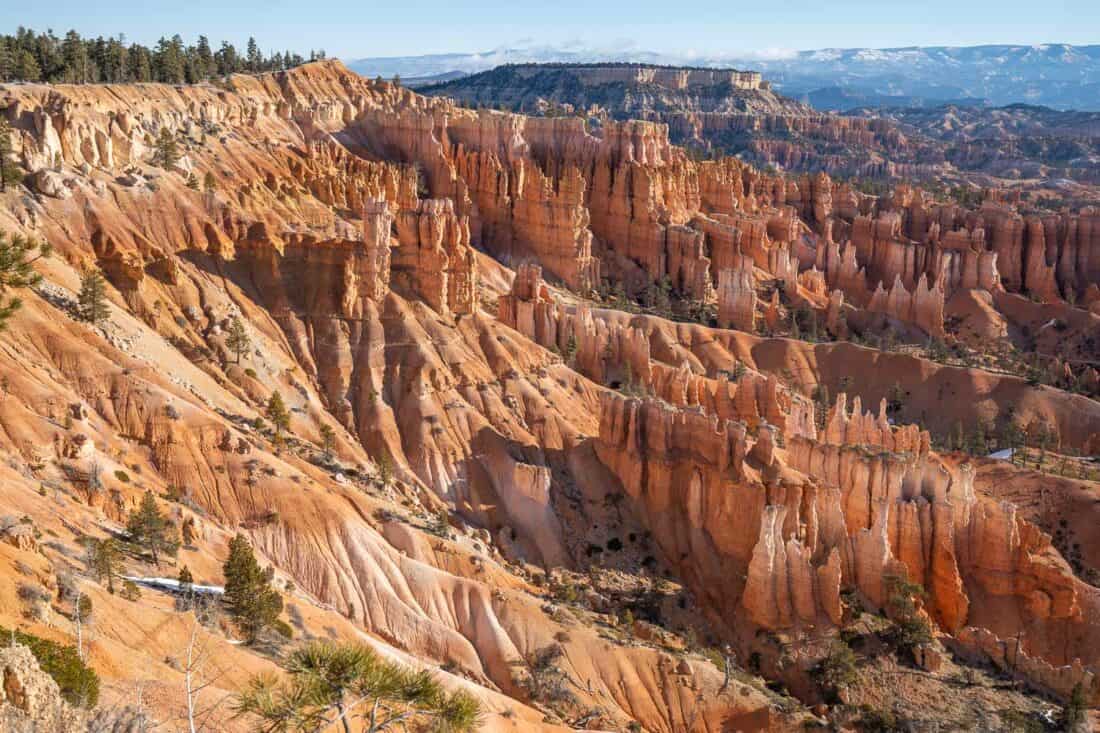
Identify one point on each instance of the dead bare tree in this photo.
(195, 676)
(728, 661)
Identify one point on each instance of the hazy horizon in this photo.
(355, 30)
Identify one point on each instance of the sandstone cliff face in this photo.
(737, 298)
(433, 258)
(833, 518)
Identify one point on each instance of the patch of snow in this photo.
(172, 585)
(1002, 455)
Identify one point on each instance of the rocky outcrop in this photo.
(983, 645)
(859, 428)
(924, 307)
(525, 214)
(836, 517)
(30, 700)
(737, 299)
(610, 353)
(433, 258)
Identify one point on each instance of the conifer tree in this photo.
(249, 597)
(1075, 713)
(7, 60)
(27, 68)
(385, 469)
(349, 684)
(277, 413)
(167, 152)
(187, 532)
(149, 529)
(185, 578)
(103, 559)
(237, 340)
(328, 441)
(92, 299)
(192, 182)
(17, 270)
(255, 58)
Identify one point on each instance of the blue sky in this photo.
(357, 28)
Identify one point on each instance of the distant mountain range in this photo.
(1060, 76)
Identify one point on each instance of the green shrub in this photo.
(130, 591)
(283, 628)
(78, 682)
(877, 721)
(836, 671)
(122, 476)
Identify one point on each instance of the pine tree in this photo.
(148, 528)
(140, 63)
(92, 300)
(385, 469)
(237, 340)
(227, 60)
(103, 559)
(571, 351)
(27, 68)
(186, 584)
(7, 60)
(204, 57)
(328, 441)
(326, 680)
(192, 182)
(75, 55)
(1075, 713)
(277, 413)
(249, 597)
(255, 58)
(167, 152)
(17, 270)
(209, 183)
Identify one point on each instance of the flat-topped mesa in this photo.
(670, 77)
(434, 259)
(860, 428)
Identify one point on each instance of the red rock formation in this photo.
(924, 307)
(859, 428)
(434, 259)
(737, 298)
